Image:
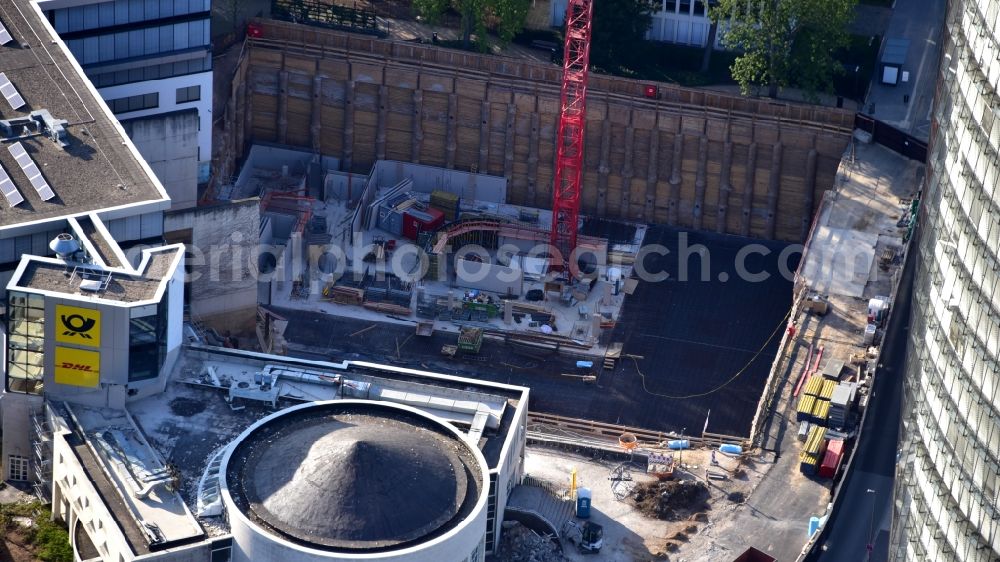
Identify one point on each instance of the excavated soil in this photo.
(671, 501)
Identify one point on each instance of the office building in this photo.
(151, 60)
(947, 495)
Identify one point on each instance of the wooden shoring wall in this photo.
(691, 158)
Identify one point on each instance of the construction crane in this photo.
(569, 138)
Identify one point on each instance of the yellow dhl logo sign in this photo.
(77, 367)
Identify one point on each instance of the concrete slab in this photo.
(839, 261)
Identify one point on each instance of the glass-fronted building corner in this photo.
(947, 495)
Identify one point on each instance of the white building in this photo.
(684, 22)
(151, 60)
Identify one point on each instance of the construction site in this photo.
(378, 165)
(417, 205)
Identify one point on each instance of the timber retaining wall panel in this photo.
(378, 98)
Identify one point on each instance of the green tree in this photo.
(506, 17)
(619, 31)
(784, 42)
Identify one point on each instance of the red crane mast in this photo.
(569, 138)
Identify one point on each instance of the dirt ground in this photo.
(15, 549)
(630, 535)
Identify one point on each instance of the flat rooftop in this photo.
(693, 335)
(190, 423)
(132, 479)
(55, 276)
(98, 169)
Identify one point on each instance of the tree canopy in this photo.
(619, 31)
(784, 42)
(506, 17)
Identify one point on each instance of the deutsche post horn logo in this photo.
(77, 325)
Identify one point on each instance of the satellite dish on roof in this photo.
(64, 245)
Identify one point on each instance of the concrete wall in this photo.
(167, 90)
(494, 278)
(468, 186)
(15, 413)
(222, 262)
(74, 498)
(692, 158)
(510, 469)
(169, 144)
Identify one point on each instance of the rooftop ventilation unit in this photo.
(54, 128)
(38, 122)
(64, 246)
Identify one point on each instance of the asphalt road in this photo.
(862, 513)
(921, 23)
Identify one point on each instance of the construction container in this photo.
(583, 497)
(446, 202)
(803, 431)
(470, 340)
(870, 334)
(390, 220)
(831, 459)
(678, 444)
(878, 309)
(841, 404)
(416, 221)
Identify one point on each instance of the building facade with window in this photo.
(947, 491)
(684, 22)
(148, 58)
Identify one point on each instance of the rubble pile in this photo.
(521, 544)
(672, 500)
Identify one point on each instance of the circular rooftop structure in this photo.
(353, 477)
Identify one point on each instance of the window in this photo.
(148, 41)
(191, 93)
(135, 103)
(17, 468)
(222, 550)
(149, 71)
(25, 342)
(147, 341)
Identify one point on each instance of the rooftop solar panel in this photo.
(9, 190)
(31, 170)
(4, 35)
(10, 92)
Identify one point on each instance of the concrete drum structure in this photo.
(351, 478)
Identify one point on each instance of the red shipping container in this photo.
(415, 222)
(831, 460)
